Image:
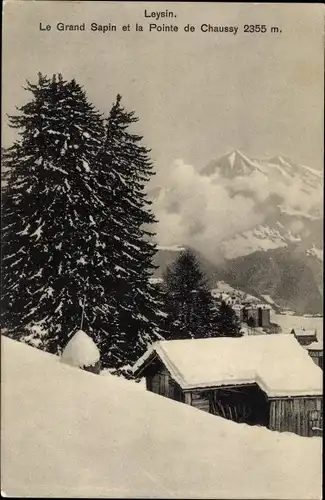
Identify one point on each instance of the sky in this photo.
(198, 95)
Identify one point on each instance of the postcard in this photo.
(162, 250)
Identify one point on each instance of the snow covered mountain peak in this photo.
(237, 164)
(231, 165)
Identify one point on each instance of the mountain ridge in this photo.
(286, 198)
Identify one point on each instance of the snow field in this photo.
(68, 433)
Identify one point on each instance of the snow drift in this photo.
(81, 351)
(68, 433)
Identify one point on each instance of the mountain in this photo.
(272, 242)
(237, 164)
(281, 274)
(288, 195)
(292, 208)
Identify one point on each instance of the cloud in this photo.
(291, 190)
(201, 211)
(194, 210)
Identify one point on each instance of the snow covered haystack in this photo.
(82, 352)
(75, 435)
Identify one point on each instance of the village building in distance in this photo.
(304, 337)
(251, 311)
(266, 380)
(308, 340)
(257, 315)
(315, 351)
(248, 310)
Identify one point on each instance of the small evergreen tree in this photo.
(188, 301)
(228, 324)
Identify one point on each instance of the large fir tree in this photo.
(188, 301)
(53, 252)
(74, 213)
(126, 168)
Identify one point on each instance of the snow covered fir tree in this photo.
(227, 322)
(126, 167)
(73, 238)
(188, 302)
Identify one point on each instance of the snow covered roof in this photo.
(315, 346)
(277, 363)
(264, 306)
(304, 333)
(74, 435)
(81, 351)
(258, 306)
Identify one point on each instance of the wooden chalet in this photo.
(267, 380)
(315, 351)
(304, 337)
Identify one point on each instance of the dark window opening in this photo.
(246, 404)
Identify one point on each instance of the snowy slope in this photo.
(288, 322)
(262, 238)
(316, 252)
(78, 434)
(220, 287)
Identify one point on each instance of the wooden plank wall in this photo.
(175, 392)
(298, 415)
(161, 383)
